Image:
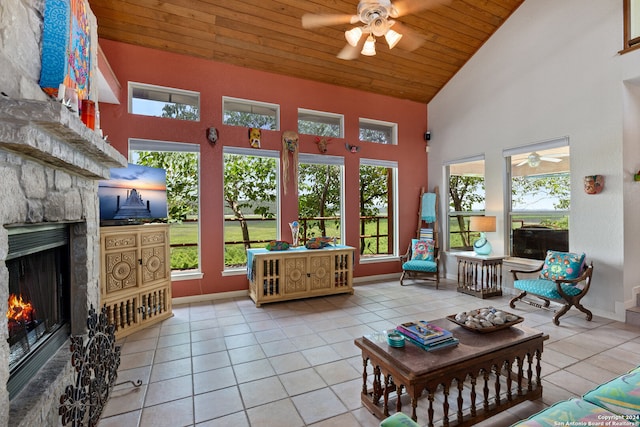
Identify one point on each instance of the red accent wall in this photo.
(214, 80)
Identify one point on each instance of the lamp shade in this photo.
(369, 48)
(353, 36)
(482, 223)
(392, 38)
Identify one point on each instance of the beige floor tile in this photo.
(175, 352)
(122, 420)
(571, 382)
(320, 355)
(246, 354)
(337, 372)
(239, 419)
(281, 413)
(318, 405)
(298, 382)
(177, 413)
(172, 369)
(217, 403)
(125, 399)
(198, 348)
(260, 392)
(210, 361)
(344, 420)
(288, 362)
(252, 371)
(168, 390)
(214, 379)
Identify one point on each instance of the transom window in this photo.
(320, 123)
(159, 101)
(252, 114)
(378, 131)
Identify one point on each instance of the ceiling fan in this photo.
(534, 159)
(377, 18)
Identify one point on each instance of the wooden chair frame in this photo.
(433, 276)
(567, 301)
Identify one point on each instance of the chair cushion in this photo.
(620, 395)
(422, 249)
(399, 420)
(545, 288)
(422, 266)
(562, 265)
(575, 412)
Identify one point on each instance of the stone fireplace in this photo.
(49, 167)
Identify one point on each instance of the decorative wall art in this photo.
(69, 53)
(322, 144)
(254, 137)
(289, 147)
(593, 184)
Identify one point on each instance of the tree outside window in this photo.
(466, 199)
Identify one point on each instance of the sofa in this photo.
(615, 403)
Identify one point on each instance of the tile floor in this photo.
(227, 363)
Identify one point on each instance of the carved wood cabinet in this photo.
(299, 273)
(135, 275)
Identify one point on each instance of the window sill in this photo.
(178, 276)
(235, 272)
(385, 258)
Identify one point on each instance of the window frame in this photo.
(467, 214)
(251, 104)
(324, 159)
(631, 10)
(142, 144)
(393, 165)
(255, 152)
(322, 115)
(508, 200)
(393, 129)
(170, 91)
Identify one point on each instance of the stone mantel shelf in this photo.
(50, 133)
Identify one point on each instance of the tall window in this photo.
(539, 198)
(320, 193)
(159, 101)
(320, 123)
(631, 23)
(182, 164)
(378, 131)
(466, 195)
(250, 202)
(253, 114)
(378, 208)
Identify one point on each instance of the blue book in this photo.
(424, 332)
(451, 341)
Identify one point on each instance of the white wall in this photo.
(553, 70)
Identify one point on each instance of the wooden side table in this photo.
(479, 275)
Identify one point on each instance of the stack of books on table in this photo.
(427, 335)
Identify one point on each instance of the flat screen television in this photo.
(133, 195)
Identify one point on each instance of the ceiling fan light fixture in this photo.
(534, 160)
(353, 36)
(392, 37)
(369, 48)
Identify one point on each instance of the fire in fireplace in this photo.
(39, 301)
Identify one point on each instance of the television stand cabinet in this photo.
(299, 273)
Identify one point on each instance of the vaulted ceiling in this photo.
(267, 35)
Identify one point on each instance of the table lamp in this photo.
(482, 224)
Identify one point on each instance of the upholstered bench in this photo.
(564, 278)
(615, 403)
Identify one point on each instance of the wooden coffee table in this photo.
(481, 376)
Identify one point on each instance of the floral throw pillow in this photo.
(562, 265)
(422, 249)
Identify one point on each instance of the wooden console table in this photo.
(299, 273)
(479, 275)
(481, 376)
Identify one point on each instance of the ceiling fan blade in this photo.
(550, 159)
(406, 7)
(411, 40)
(311, 20)
(522, 163)
(352, 52)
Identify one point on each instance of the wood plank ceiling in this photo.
(267, 35)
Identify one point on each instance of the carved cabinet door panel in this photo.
(295, 274)
(154, 258)
(320, 272)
